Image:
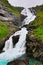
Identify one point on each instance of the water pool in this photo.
(2, 62)
(34, 62)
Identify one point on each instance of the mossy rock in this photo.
(34, 62)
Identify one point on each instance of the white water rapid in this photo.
(19, 49)
(30, 17)
(11, 53)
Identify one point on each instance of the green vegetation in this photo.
(38, 33)
(39, 20)
(15, 10)
(3, 30)
(38, 23)
(6, 29)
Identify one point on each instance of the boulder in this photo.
(15, 39)
(19, 62)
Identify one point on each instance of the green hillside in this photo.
(38, 23)
(15, 10)
(3, 30)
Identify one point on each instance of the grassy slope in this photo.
(38, 23)
(15, 10)
(6, 29)
(3, 30)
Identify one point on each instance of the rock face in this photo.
(6, 15)
(34, 48)
(15, 39)
(19, 62)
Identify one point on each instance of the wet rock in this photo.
(33, 10)
(15, 39)
(22, 17)
(18, 21)
(19, 62)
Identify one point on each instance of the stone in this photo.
(19, 62)
(15, 39)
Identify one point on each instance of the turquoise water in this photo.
(3, 62)
(31, 62)
(34, 62)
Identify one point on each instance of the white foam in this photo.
(30, 17)
(19, 49)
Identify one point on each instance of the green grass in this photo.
(39, 20)
(38, 23)
(15, 10)
(3, 30)
(38, 33)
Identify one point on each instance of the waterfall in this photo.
(30, 17)
(19, 49)
(8, 44)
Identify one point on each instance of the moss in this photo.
(38, 23)
(6, 30)
(3, 30)
(38, 33)
(39, 20)
(15, 10)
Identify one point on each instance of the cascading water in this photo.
(30, 17)
(19, 49)
(11, 53)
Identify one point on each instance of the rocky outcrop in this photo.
(6, 15)
(15, 39)
(34, 47)
(19, 62)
